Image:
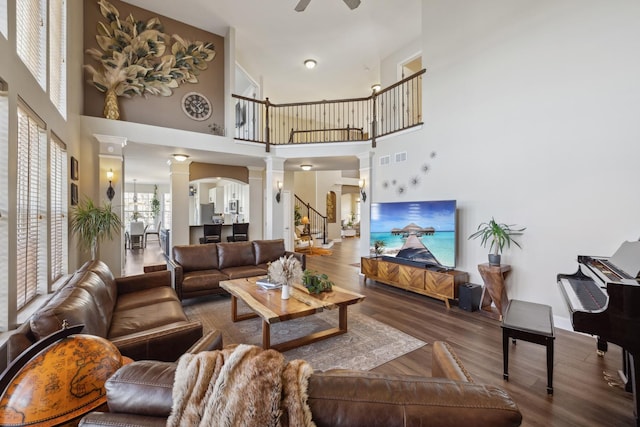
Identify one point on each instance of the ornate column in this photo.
(179, 187)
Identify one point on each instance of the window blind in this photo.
(4, 205)
(3, 18)
(30, 208)
(31, 37)
(58, 212)
(58, 55)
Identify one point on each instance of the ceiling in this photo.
(272, 42)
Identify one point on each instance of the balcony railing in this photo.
(395, 108)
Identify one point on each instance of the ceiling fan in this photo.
(302, 4)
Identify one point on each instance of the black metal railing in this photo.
(395, 108)
(317, 226)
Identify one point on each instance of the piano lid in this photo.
(627, 258)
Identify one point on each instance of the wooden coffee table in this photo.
(268, 305)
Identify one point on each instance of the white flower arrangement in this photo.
(285, 270)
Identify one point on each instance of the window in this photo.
(58, 55)
(31, 236)
(3, 18)
(58, 209)
(137, 207)
(31, 37)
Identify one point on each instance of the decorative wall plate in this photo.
(196, 106)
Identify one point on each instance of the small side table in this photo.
(494, 277)
(530, 322)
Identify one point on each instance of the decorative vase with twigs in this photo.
(285, 271)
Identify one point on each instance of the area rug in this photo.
(315, 251)
(319, 251)
(367, 344)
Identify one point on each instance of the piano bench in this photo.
(530, 322)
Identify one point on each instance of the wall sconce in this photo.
(279, 185)
(110, 191)
(376, 87)
(362, 192)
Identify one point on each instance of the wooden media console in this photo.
(442, 285)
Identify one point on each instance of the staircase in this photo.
(317, 225)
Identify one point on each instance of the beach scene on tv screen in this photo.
(420, 231)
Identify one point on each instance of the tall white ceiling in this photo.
(272, 42)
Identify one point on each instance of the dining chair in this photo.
(155, 232)
(136, 234)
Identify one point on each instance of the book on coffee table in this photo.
(264, 283)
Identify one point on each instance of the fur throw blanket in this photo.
(240, 385)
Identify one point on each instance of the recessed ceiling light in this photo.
(310, 63)
(306, 167)
(180, 157)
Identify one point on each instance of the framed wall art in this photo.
(74, 168)
(74, 194)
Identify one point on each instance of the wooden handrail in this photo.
(392, 109)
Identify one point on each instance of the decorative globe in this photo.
(63, 381)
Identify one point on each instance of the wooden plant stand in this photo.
(494, 277)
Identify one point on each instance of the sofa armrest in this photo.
(142, 388)
(446, 364)
(178, 275)
(346, 398)
(300, 256)
(166, 343)
(143, 281)
(212, 340)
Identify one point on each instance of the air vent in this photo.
(401, 157)
(385, 160)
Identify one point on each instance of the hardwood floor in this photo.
(582, 397)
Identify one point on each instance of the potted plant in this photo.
(378, 247)
(93, 223)
(316, 282)
(297, 216)
(499, 234)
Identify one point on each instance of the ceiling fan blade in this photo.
(352, 3)
(302, 5)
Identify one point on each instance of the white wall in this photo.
(531, 109)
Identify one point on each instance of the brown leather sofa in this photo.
(199, 269)
(140, 314)
(140, 394)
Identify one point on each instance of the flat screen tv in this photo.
(416, 233)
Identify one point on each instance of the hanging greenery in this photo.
(155, 202)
